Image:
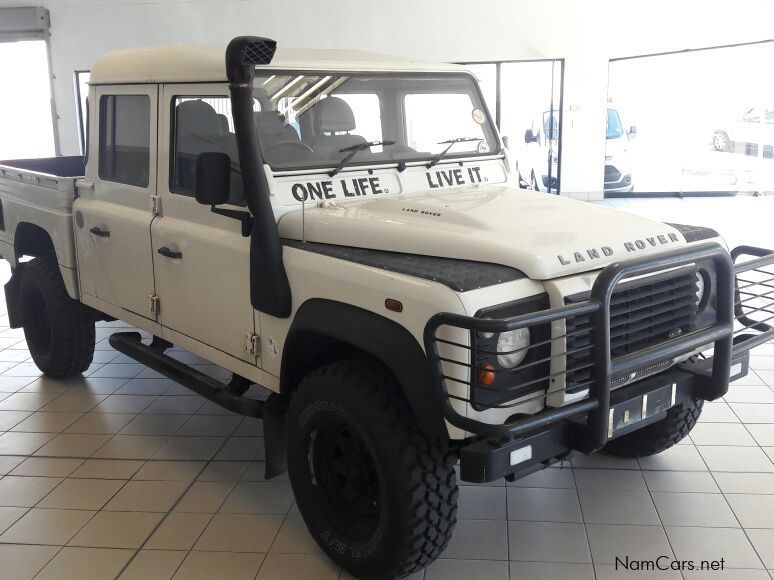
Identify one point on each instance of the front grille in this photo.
(642, 313)
(611, 173)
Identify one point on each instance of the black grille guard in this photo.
(738, 295)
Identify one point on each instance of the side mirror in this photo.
(632, 131)
(506, 142)
(213, 178)
(529, 136)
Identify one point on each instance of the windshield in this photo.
(614, 127)
(316, 120)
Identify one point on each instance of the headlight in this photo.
(699, 287)
(514, 340)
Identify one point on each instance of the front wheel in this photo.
(659, 436)
(58, 329)
(377, 496)
(720, 141)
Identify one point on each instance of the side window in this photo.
(202, 125)
(124, 139)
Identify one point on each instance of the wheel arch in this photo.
(325, 330)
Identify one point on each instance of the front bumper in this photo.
(528, 442)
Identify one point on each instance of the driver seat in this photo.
(333, 121)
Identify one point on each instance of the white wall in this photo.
(585, 33)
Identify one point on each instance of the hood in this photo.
(544, 236)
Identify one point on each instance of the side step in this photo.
(152, 356)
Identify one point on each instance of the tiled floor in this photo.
(125, 473)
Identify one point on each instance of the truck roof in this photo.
(207, 63)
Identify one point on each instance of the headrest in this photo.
(269, 122)
(198, 118)
(333, 114)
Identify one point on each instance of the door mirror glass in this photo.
(529, 136)
(506, 142)
(632, 131)
(213, 178)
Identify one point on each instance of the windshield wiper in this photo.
(451, 143)
(353, 149)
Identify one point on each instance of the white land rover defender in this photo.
(339, 229)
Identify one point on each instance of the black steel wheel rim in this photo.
(345, 475)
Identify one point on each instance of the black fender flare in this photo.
(382, 338)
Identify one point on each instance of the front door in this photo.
(201, 260)
(113, 212)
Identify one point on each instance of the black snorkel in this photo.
(269, 287)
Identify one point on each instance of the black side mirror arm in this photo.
(244, 218)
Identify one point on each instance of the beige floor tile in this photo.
(753, 511)
(170, 470)
(467, 569)
(550, 571)
(22, 562)
(82, 563)
(74, 403)
(117, 530)
(608, 572)
(9, 515)
(681, 481)
(130, 447)
(699, 544)
(477, 502)
(25, 491)
(754, 483)
(23, 443)
(26, 401)
(239, 533)
(190, 448)
(223, 471)
(100, 423)
(608, 542)
(610, 479)
(537, 542)
(145, 424)
(545, 505)
(108, 468)
(241, 449)
(10, 462)
(479, 540)
(118, 370)
(47, 422)
(618, 507)
(297, 567)
(46, 526)
(144, 387)
(694, 509)
(259, 498)
(177, 405)
(147, 496)
(72, 445)
(210, 426)
(256, 471)
(124, 404)
(294, 538)
(155, 564)
(47, 466)
(83, 494)
(179, 531)
(220, 566)
(677, 458)
(205, 496)
(8, 419)
(763, 541)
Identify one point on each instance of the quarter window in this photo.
(124, 139)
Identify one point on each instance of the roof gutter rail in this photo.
(269, 286)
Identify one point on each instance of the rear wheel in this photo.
(378, 497)
(658, 436)
(720, 141)
(58, 329)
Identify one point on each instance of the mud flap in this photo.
(274, 414)
(13, 297)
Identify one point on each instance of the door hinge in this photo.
(155, 304)
(155, 204)
(253, 344)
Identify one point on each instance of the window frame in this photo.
(101, 137)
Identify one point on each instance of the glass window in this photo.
(124, 139)
(433, 119)
(317, 120)
(203, 125)
(692, 122)
(614, 127)
(486, 73)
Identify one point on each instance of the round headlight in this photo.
(702, 284)
(514, 340)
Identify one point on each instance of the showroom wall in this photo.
(585, 34)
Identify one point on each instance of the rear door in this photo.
(114, 211)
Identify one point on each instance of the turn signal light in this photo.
(394, 305)
(486, 375)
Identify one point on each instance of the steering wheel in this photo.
(292, 143)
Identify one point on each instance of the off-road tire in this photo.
(58, 329)
(416, 486)
(658, 436)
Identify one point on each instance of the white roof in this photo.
(204, 63)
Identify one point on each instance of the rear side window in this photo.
(124, 139)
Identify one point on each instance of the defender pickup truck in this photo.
(340, 229)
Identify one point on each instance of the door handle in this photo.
(167, 253)
(97, 231)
